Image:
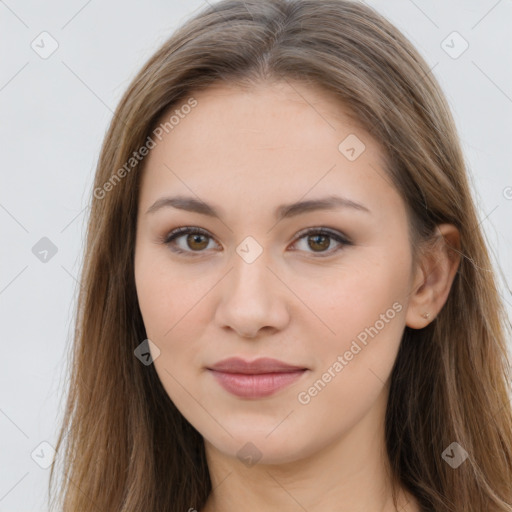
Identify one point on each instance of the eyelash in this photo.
(179, 232)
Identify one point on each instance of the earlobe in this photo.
(436, 272)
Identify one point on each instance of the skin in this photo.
(247, 151)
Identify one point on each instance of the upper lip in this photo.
(261, 365)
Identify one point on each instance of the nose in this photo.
(252, 300)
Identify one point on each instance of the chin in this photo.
(255, 446)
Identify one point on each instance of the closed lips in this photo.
(255, 379)
(256, 367)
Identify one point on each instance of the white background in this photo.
(54, 113)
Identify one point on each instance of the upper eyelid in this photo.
(332, 231)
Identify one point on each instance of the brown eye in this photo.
(319, 242)
(197, 241)
(188, 240)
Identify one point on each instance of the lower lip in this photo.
(256, 386)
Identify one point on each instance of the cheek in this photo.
(355, 296)
(170, 309)
(364, 309)
(172, 305)
(164, 295)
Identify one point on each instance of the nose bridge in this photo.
(250, 275)
(250, 295)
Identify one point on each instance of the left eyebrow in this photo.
(282, 212)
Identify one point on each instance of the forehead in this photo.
(264, 141)
(260, 112)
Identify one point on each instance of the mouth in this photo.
(255, 379)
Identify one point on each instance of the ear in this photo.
(434, 277)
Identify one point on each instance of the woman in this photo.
(287, 302)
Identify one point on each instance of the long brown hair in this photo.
(123, 443)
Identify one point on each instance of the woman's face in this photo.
(322, 289)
